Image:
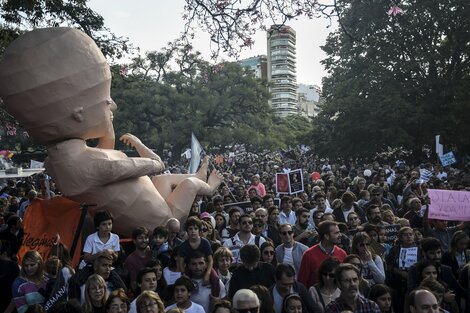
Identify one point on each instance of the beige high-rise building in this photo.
(282, 69)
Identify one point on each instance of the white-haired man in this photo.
(245, 301)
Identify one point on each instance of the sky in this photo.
(151, 24)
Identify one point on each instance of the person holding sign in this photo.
(397, 274)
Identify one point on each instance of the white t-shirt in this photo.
(235, 244)
(202, 294)
(288, 256)
(133, 306)
(93, 245)
(194, 308)
(170, 276)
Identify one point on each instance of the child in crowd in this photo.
(102, 242)
(182, 295)
(159, 245)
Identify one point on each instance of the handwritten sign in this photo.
(448, 159)
(449, 205)
(408, 257)
(391, 232)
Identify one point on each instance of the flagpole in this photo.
(84, 210)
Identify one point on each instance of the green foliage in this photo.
(222, 104)
(398, 80)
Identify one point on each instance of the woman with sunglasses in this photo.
(326, 290)
(267, 253)
(372, 265)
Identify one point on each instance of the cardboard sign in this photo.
(391, 232)
(282, 183)
(448, 159)
(449, 205)
(290, 182)
(296, 181)
(408, 257)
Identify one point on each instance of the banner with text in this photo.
(48, 221)
(449, 205)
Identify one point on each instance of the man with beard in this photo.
(290, 251)
(347, 279)
(268, 231)
(330, 236)
(202, 294)
(374, 217)
(302, 228)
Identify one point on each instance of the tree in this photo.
(232, 23)
(222, 104)
(396, 81)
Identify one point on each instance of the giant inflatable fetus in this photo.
(56, 83)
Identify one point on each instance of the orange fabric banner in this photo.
(48, 221)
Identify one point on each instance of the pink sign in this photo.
(449, 205)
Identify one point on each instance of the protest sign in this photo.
(448, 159)
(408, 257)
(449, 205)
(296, 181)
(391, 232)
(282, 183)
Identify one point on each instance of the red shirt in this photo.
(311, 260)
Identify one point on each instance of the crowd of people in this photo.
(328, 248)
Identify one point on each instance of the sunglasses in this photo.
(364, 244)
(250, 310)
(268, 252)
(247, 222)
(204, 230)
(290, 232)
(330, 275)
(258, 225)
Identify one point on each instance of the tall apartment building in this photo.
(282, 69)
(257, 64)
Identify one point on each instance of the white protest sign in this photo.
(408, 257)
(36, 164)
(449, 205)
(448, 159)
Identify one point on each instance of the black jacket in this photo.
(114, 282)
